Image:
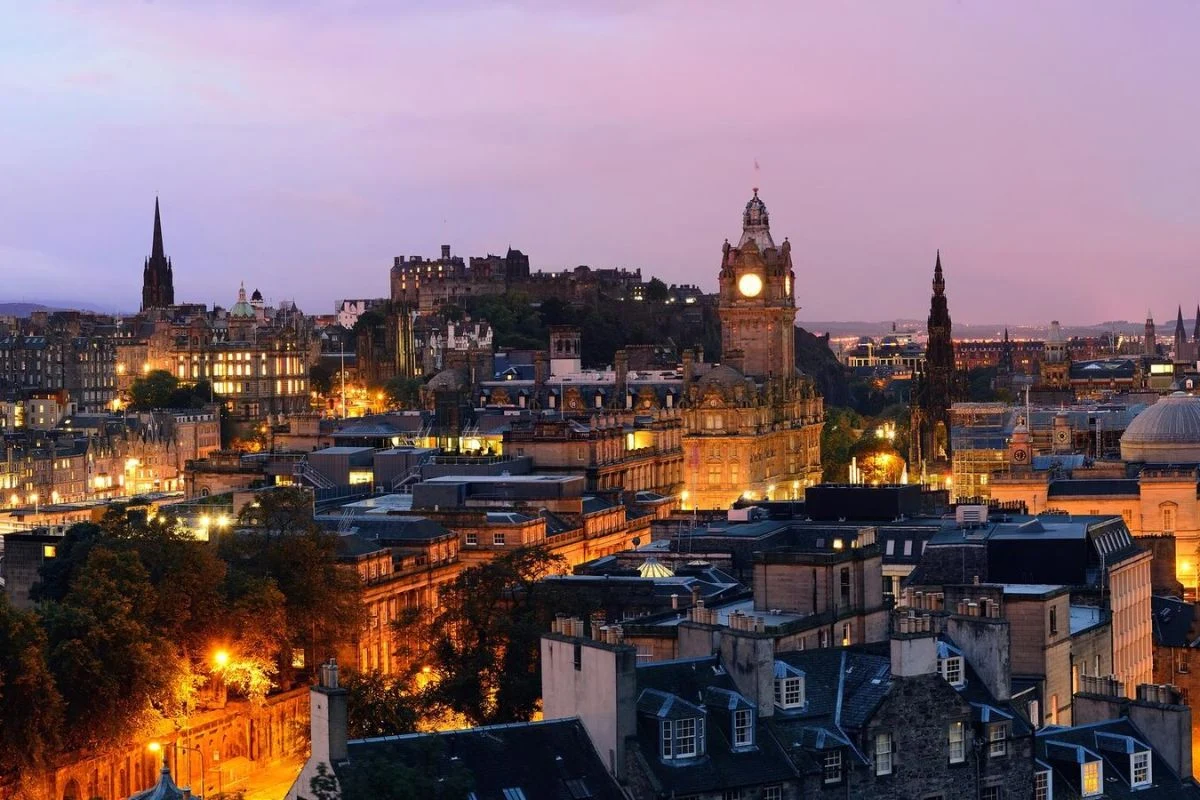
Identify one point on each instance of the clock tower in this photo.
(756, 306)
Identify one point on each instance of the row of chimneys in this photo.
(984, 607)
(578, 628)
(913, 622)
(929, 601)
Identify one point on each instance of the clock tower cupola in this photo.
(757, 306)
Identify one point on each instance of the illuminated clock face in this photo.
(787, 286)
(750, 285)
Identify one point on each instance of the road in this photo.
(269, 784)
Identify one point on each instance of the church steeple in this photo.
(158, 285)
(156, 250)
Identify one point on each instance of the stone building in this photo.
(890, 721)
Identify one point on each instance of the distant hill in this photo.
(25, 309)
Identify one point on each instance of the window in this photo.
(833, 767)
(958, 753)
(1183, 664)
(688, 737)
(883, 754)
(472, 539)
(789, 691)
(845, 584)
(845, 634)
(1034, 714)
(50, 551)
(579, 657)
(1053, 621)
(498, 539)
(1041, 785)
(743, 727)
(667, 741)
(1168, 519)
(891, 547)
(1139, 768)
(990, 793)
(998, 740)
(773, 792)
(951, 668)
(908, 547)
(1091, 778)
(734, 794)
(1052, 710)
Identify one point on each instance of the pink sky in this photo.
(1049, 149)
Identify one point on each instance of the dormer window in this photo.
(1042, 785)
(951, 668)
(682, 738)
(743, 727)
(1091, 778)
(789, 691)
(1140, 773)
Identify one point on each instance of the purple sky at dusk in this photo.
(1049, 149)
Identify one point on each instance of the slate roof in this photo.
(395, 528)
(692, 682)
(1064, 749)
(552, 760)
(1123, 487)
(1173, 620)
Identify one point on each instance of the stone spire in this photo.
(158, 283)
(156, 250)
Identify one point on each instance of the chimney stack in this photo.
(327, 706)
(913, 645)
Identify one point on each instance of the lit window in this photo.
(49, 551)
(1092, 778)
(998, 740)
(1041, 785)
(832, 767)
(298, 658)
(1140, 768)
(743, 727)
(958, 753)
(883, 754)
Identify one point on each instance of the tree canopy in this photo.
(481, 647)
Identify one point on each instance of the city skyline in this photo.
(301, 152)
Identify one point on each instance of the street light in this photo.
(155, 747)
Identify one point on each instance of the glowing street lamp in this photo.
(221, 659)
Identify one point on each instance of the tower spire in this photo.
(156, 251)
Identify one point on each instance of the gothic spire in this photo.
(939, 282)
(156, 251)
(1179, 324)
(1196, 332)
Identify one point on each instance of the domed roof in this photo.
(242, 309)
(756, 224)
(449, 380)
(653, 568)
(722, 375)
(1167, 432)
(165, 789)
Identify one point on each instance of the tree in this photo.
(841, 431)
(656, 291)
(153, 390)
(320, 378)
(379, 705)
(286, 546)
(425, 772)
(116, 673)
(30, 705)
(484, 642)
(403, 392)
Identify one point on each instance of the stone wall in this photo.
(236, 741)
